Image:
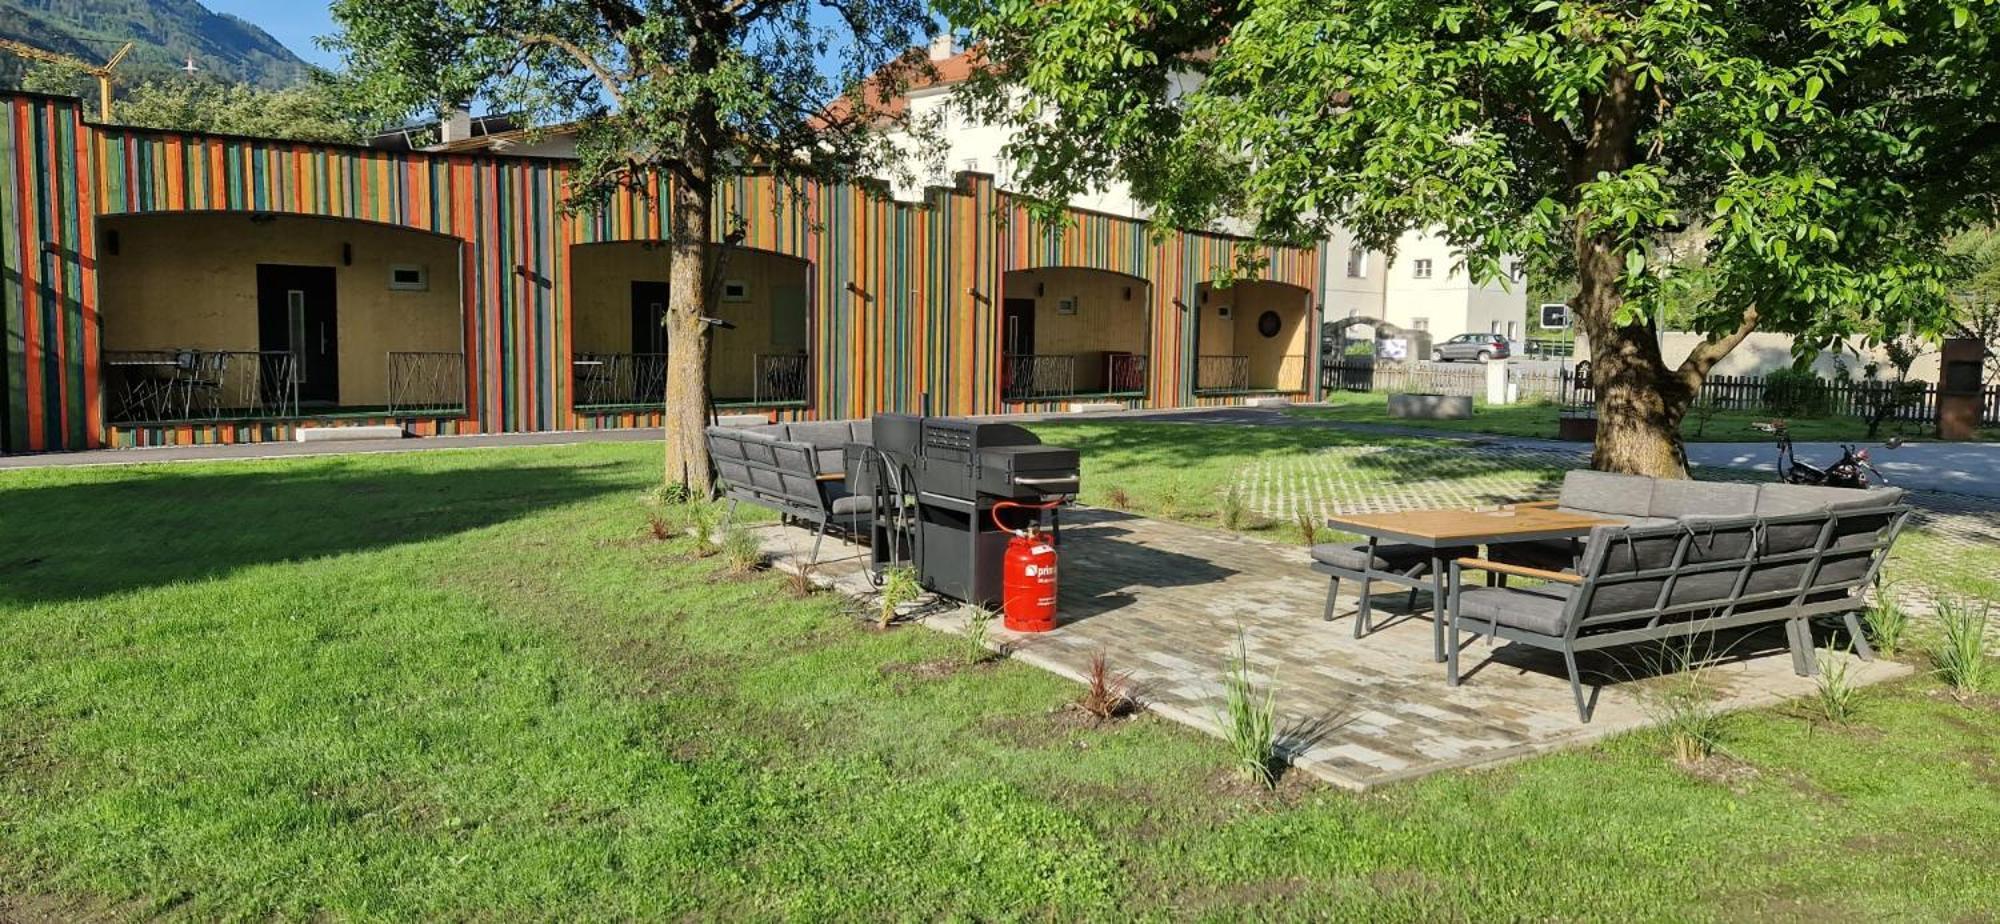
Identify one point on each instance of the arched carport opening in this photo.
(619, 296)
(1253, 336)
(252, 315)
(1070, 332)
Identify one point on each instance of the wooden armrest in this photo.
(1481, 564)
(1538, 505)
(831, 476)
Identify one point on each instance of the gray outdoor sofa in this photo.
(796, 469)
(1689, 558)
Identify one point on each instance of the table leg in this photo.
(1437, 608)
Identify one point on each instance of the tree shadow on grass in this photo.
(77, 539)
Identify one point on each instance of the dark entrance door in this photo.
(295, 314)
(1017, 326)
(649, 317)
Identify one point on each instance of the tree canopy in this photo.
(1799, 163)
(692, 91)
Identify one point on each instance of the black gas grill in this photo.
(936, 481)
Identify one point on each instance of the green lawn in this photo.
(473, 685)
(1539, 419)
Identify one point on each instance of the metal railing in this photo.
(426, 383)
(1222, 373)
(1054, 375)
(157, 386)
(780, 379)
(1034, 376)
(619, 379)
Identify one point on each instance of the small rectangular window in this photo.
(1357, 263)
(1421, 269)
(409, 277)
(1423, 324)
(735, 290)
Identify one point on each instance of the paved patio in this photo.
(1165, 601)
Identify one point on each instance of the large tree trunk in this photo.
(687, 403)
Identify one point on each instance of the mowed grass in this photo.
(472, 684)
(1540, 419)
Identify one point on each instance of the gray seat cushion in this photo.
(1538, 609)
(1777, 499)
(1389, 556)
(1605, 492)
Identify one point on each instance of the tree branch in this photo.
(609, 80)
(1707, 353)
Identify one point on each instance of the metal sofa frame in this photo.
(1810, 596)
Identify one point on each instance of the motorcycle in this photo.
(1851, 471)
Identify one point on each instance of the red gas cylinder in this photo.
(1028, 578)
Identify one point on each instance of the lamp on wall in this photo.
(346, 254)
(1128, 293)
(1039, 289)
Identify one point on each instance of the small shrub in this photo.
(662, 530)
(1106, 696)
(1835, 694)
(1235, 508)
(978, 628)
(1172, 492)
(800, 583)
(1249, 725)
(899, 586)
(1307, 524)
(1888, 624)
(741, 551)
(1960, 656)
(701, 517)
(1683, 709)
(1796, 393)
(668, 495)
(1117, 499)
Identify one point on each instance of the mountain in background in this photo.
(166, 33)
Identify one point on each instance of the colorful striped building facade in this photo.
(903, 297)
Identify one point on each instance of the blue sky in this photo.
(293, 22)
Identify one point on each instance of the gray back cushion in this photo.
(1605, 492)
(1776, 499)
(1675, 498)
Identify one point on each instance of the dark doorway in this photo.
(649, 317)
(1017, 326)
(6, 380)
(296, 315)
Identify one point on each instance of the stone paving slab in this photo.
(1165, 602)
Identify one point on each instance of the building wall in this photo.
(1765, 352)
(904, 296)
(1277, 361)
(191, 281)
(1111, 317)
(772, 320)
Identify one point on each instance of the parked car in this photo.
(1481, 347)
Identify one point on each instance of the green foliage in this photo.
(1796, 393)
(1792, 166)
(1681, 705)
(1835, 694)
(1960, 656)
(1888, 623)
(742, 551)
(1234, 508)
(1248, 721)
(691, 90)
(899, 588)
(312, 111)
(978, 630)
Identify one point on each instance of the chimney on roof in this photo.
(941, 46)
(455, 126)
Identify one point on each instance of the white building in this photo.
(1423, 289)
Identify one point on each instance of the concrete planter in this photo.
(1430, 407)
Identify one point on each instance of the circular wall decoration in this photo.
(1268, 324)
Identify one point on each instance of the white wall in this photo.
(1763, 353)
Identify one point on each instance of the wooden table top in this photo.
(1470, 527)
